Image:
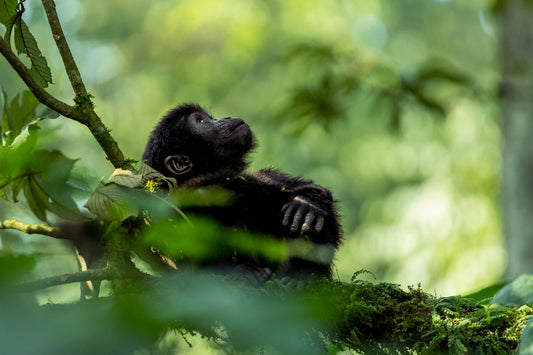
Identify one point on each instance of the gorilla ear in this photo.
(178, 164)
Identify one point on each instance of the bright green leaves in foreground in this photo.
(25, 43)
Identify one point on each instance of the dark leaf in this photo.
(8, 8)
(9, 27)
(26, 43)
(35, 198)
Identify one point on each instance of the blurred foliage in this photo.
(233, 318)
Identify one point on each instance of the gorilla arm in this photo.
(296, 206)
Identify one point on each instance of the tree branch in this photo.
(83, 113)
(41, 95)
(88, 275)
(61, 42)
(30, 228)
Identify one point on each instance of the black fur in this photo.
(207, 152)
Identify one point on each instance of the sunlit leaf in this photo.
(26, 43)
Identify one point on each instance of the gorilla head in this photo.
(188, 143)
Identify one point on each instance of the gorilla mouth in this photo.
(239, 124)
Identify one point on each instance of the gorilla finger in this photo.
(319, 223)
(297, 219)
(289, 209)
(309, 219)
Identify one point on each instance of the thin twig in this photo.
(87, 275)
(31, 228)
(61, 42)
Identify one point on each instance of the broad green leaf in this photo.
(17, 114)
(26, 43)
(8, 8)
(43, 176)
(486, 293)
(113, 202)
(517, 293)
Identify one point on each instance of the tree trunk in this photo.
(516, 94)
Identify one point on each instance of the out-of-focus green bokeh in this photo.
(345, 92)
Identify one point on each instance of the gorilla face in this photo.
(188, 142)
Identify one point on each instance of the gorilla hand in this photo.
(300, 214)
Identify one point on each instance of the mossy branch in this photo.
(30, 228)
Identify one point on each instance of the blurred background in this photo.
(390, 104)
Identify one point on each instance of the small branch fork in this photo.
(83, 112)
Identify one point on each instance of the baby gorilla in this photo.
(199, 151)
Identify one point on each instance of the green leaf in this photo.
(113, 202)
(45, 112)
(26, 43)
(517, 293)
(526, 340)
(8, 8)
(9, 27)
(43, 176)
(35, 198)
(487, 292)
(17, 114)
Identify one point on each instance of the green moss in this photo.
(383, 319)
(84, 100)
